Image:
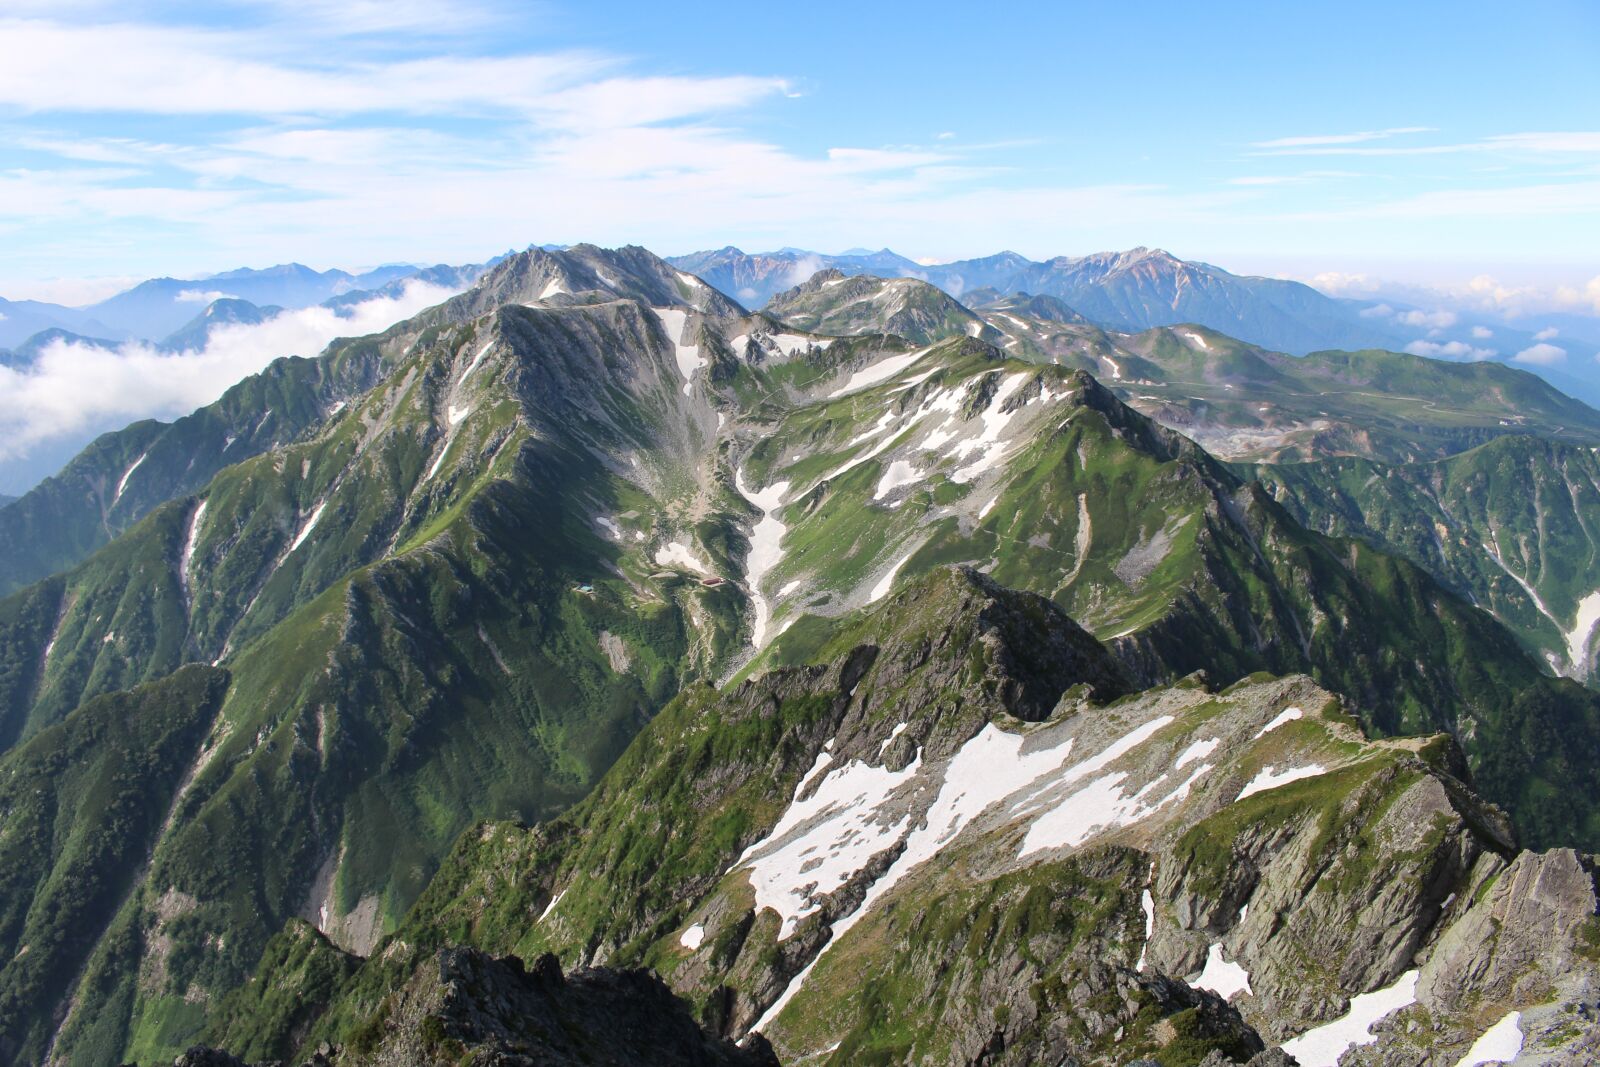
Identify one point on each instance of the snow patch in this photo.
(896, 732)
(126, 475)
(991, 450)
(1582, 630)
(1267, 779)
(1501, 1043)
(688, 356)
(609, 526)
(1287, 715)
(1322, 1046)
(438, 461)
(1223, 978)
(676, 552)
(823, 840)
(1194, 339)
(766, 549)
(548, 908)
(886, 583)
(1198, 750)
(880, 371)
(477, 359)
(900, 473)
(311, 524)
(457, 414)
(693, 937)
(553, 289)
(191, 539)
(1148, 905)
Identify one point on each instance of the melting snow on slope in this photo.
(1501, 1043)
(1266, 779)
(186, 560)
(766, 549)
(553, 289)
(1148, 905)
(438, 461)
(1582, 630)
(991, 450)
(900, 473)
(548, 908)
(1116, 369)
(126, 475)
(609, 526)
(311, 524)
(1221, 977)
(1287, 715)
(457, 414)
(880, 371)
(676, 552)
(1194, 338)
(477, 359)
(1323, 1046)
(688, 356)
(821, 841)
(1198, 750)
(792, 343)
(886, 583)
(992, 767)
(693, 937)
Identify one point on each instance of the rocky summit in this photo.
(593, 670)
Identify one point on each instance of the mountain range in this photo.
(160, 307)
(890, 677)
(1141, 288)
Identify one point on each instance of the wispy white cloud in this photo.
(1301, 178)
(1342, 138)
(71, 387)
(185, 71)
(1546, 334)
(1536, 143)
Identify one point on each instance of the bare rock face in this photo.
(1516, 937)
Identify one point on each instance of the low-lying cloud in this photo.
(1448, 350)
(72, 388)
(1541, 355)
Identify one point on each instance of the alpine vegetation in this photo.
(589, 669)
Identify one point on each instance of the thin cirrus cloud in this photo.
(1317, 140)
(1546, 143)
(71, 388)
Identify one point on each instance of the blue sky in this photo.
(1426, 142)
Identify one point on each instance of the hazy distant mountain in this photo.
(21, 319)
(225, 312)
(160, 306)
(754, 279)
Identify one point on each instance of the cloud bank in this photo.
(73, 388)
